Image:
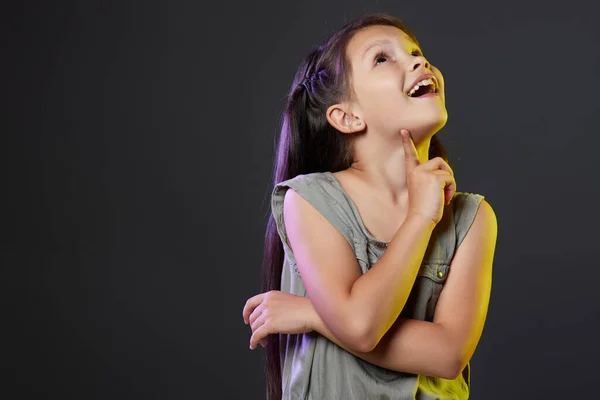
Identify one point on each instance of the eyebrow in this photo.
(375, 43)
(380, 42)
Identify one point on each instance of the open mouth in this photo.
(426, 86)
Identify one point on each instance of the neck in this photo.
(381, 165)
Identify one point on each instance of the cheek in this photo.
(384, 96)
(438, 75)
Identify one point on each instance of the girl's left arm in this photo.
(443, 347)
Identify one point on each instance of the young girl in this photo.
(377, 272)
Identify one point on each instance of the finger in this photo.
(258, 335)
(449, 187)
(442, 176)
(448, 195)
(251, 303)
(447, 183)
(258, 322)
(264, 342)
(410, 151)
(436, 164)
(449, 192)
(256, 313)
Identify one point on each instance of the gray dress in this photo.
(313, 367)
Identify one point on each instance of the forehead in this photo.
(365, 37)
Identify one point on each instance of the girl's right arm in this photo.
(357, 308)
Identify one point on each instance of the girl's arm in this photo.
(357, 308)
(360, 308)
(440, 348)
(443, 347)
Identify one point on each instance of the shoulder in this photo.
(474, 217)
(462, 200)
(307, 193)
(305, 181)
(482, 210)
(486, 217)
(486, 213)
(485, 220)
(466, 205)
(478, 218)
(313, 205)
(305, 207)
(294, 203)
(309, 224)
(307, 185)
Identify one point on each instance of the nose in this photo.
(419, 62)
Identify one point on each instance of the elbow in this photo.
(361, 332)
(453, 368)
(455, 358)
(364, 343)
(363, 338)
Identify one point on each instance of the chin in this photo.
(427, 127)
(440, 118)
(440, 123)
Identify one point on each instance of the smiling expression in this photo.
(386, 65)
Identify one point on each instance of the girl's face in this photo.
(386, 64)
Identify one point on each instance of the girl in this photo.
(377, 272)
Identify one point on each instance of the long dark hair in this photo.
(308, 143)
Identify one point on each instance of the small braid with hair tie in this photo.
(310, 79)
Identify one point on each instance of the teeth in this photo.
(424, 82)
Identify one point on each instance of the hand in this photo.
(277, 312)
(430, 185)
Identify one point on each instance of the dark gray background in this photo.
(138, 141)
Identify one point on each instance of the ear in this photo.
(341, 118)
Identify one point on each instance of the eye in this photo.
(380, 55)
(384, 55)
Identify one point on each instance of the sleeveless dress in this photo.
(313, 367)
